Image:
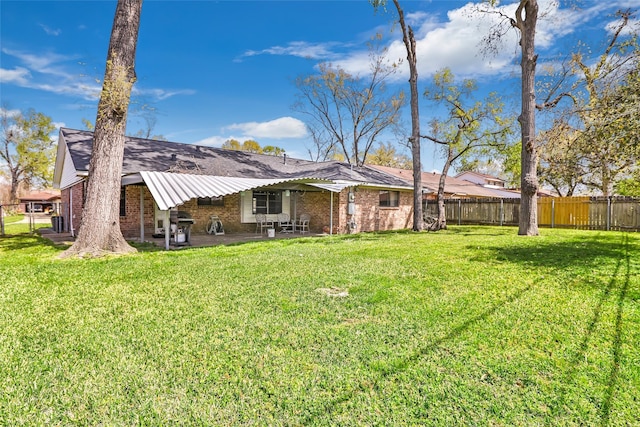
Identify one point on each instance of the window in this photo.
(211, 201)
(389, 199)
(267, 202)
(123, 210)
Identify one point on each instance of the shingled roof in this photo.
(164, 156)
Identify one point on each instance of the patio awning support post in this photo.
(331, 214)
(141, 214)
(167, 230)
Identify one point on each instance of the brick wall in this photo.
(72, 199)
(130, 223)
(316, 204)
(370, 216)
(229, 215)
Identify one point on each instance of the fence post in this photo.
(608, 213)
(459, 212)
(1, 222)
(553, 213)
(501, 212)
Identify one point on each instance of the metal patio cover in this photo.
(173, 189)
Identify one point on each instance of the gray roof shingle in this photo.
(164, 156)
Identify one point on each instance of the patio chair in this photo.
(285, 224)
(262, 222)
(303, 223)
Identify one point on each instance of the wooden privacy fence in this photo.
(590, 213)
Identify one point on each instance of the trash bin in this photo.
(57, 222)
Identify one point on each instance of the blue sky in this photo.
(225, 69)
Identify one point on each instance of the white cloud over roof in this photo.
(283, 127)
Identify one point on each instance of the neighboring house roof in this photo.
(453, 186)
(41, 196)
(164, 157)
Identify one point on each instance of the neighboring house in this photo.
(47, 201)
(454, 188)
(499, 185)
(482, 179)
(159, 176)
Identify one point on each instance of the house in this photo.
(454, 188)
(47, 201)
(482, 179)
(160, 176)
(499, 185)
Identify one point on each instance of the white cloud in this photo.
(633, 27)
(42, 62)
(457, 42)
(284, 127)
(213, 141)
(9, 113)
(320, 51)
(17, 76)
(51, 31)
(52, 72)
(162, 94)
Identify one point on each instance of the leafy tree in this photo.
(469, 125)
(26, 149)
(87, 124)
(232, 144)
(594, 140)
(100, 226)
(607, 109)
(561, 163)
(387, 155)
(272, 150)
(348, 113)
(252, 146)
(629, 186)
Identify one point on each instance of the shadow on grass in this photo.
(586, 253)
(582, 251)
(402, 364)
(10, 242)
(617, 344)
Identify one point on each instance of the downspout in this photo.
(71, 211)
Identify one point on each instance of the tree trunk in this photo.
(441, 222)
(15, 182)
(528, 225)
(410, 44)
(100, 232)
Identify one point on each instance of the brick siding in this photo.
(369, 216)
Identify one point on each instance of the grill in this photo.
(181, 222)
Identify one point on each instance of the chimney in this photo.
(284, 156)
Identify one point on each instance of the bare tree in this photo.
(524, 21)
(409, 41)
(100, 226)
(346, 112)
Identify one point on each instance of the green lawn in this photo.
(471, 326)
(13, 225)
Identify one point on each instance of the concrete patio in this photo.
(196, 240)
